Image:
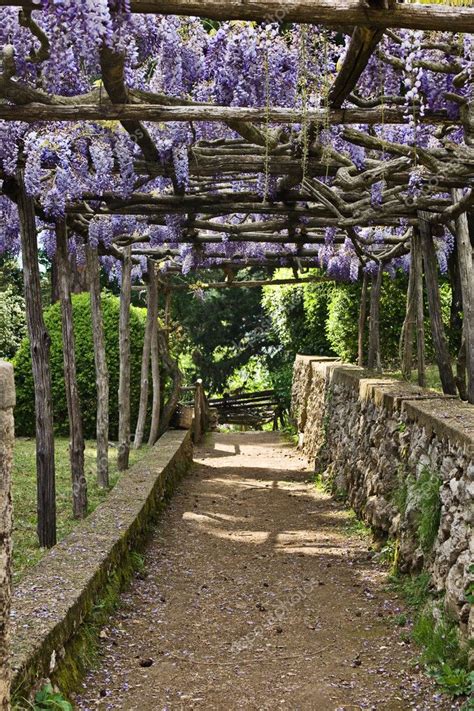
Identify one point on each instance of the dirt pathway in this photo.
(256, 596)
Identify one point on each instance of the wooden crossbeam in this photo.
(326, 12)
(34, 112)
(251, 284)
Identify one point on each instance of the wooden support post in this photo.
(40, 347)
(155, 359)
(363, 319)
(466, 270)
(440, 341)
(417, 267)
(198, 430)
(375, 358)
(7, 440)
(145, 370)
(101, 368)
(407, 335)
(76, 442)
(124, 374)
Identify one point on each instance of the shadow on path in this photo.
(256, 596)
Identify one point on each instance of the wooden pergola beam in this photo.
(326, 12)
(35, 112)
(363, 42)
(252, 284)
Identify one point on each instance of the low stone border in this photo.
(59, 593)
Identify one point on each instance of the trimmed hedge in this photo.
(24, 411)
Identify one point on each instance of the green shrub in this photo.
(427, 490)
(298, 315)
(343, 322)
(12, 322)
(24, 411)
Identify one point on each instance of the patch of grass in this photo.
(427, 488)
(389, 555)
(433, 381)
(26, 551)
(415, 590)
(290, 433)
(445, 660)
(400, 494)
(356, 527)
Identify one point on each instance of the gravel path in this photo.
(256, 595)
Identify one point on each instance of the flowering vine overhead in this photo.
(208, 143)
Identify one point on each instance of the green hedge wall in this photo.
(24, 411)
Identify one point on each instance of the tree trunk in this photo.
(417, 267)
(40, 346)
(440, 341)
(408, 329)
(466, 271)
(124, 375)
(155, 362)
(101, 369)
(363, 319)
(145, 372)
(375, 360)
(76, 443)
(7, 439)
(177, 378)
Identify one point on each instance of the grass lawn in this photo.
(432, 377)
(26, 551)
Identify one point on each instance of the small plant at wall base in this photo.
(437, 635)
(48, 698)
(427, 489)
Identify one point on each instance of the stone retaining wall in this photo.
(60, 592)
(375, 440)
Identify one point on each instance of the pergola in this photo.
(296, 216)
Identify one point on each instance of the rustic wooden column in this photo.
(76, 436)
(417, 267)
(124, 374)
(145, 371)
(362, 319)
(155, 362)
(440, 341)
(40, 347)
(375, 359)
(408, 333)
(466, 271)
(101, 369)
(7, 439)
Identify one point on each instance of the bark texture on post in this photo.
(155, 361)
(101, 369)
(407, 335)
(124, 374)
(145, 371)
(466, 271)
(363, 319)
(417, 267)
(76, 436)
(440, 341)
(177, 377)
(375, 358)
(7, 438)
(40, 347)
